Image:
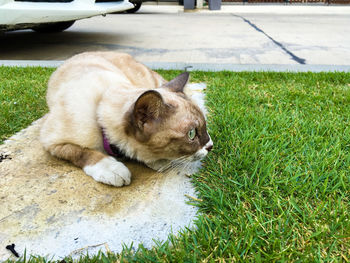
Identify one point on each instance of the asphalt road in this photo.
(293, 35)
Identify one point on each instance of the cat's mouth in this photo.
(200, 154)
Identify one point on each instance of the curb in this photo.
(198, 66)
(258, 8)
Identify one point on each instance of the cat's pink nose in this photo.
(209, 147)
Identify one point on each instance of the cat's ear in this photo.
(177, 84)
(148, 111)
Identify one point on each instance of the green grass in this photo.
(22, 98)
(276, 186)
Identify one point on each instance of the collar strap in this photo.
(111, 149)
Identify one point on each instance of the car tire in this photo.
(53, 27)
(137, 6)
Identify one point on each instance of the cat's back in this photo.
(138, 74)
(121, 67)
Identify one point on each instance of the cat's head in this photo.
(169, 127)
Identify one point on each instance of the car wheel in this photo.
(53, 27)
(137, 6)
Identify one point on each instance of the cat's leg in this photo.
(102, 168)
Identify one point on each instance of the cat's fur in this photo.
(147, 118)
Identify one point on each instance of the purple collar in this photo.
(111, 149)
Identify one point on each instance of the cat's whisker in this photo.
(165, 167)
(174, 164)
(182, 162)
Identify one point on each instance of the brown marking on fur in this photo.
(77, 155)
(169, 136)
(147, 115)
(182, 95)
(178, 84)
(171, 140)
(201, 129)
(149, 107)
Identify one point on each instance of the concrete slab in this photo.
(237, 34)
(51, 208)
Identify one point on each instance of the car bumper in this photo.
(12, 13)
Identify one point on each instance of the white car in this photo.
(53, 15)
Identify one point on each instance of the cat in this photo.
(100, 101)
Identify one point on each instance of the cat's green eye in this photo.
(192, 134)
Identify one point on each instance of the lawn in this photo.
(276, 185)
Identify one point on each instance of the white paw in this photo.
(109, 171)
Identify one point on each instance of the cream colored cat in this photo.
(100, 101)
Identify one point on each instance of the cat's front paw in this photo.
(109, 171)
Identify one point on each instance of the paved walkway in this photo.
(238, 37)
